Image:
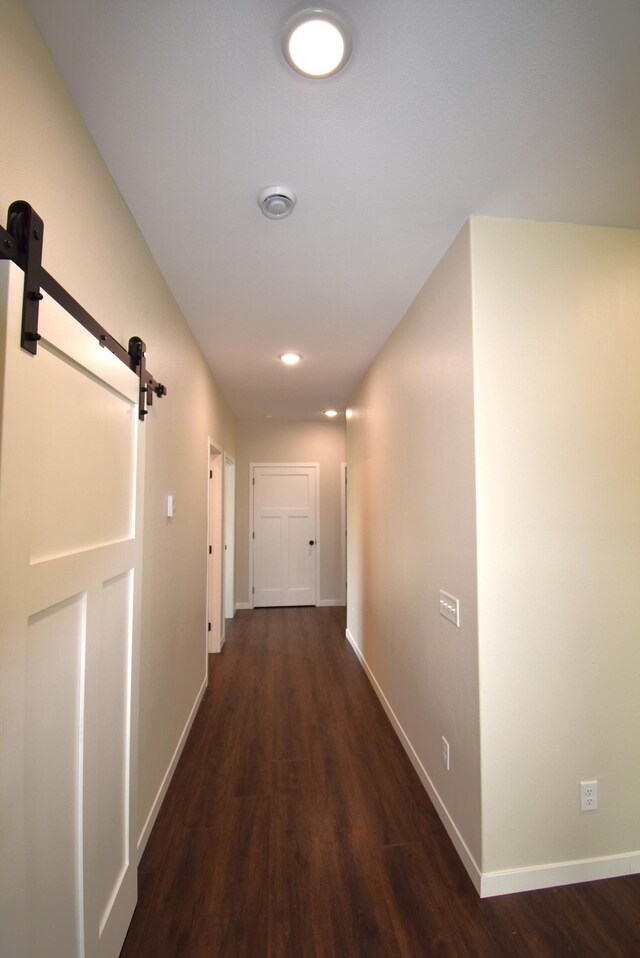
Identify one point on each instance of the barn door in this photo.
(70, 521)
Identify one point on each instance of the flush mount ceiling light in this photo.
(276, 202)
(331, 413)
(316, 43)
(290, 359)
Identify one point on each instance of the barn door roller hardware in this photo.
(21, 242)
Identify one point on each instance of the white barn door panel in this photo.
(70, 521)
(285, 545)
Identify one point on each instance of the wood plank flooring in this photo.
(296, 827)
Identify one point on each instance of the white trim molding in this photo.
(559, 873)
(343, 529)
(243, 605)
(332, 602)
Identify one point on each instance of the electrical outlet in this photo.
(446, 753)
(588, 796)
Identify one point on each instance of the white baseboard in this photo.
(321, 602)
(166, 781)
(460, 845)
(560, 873)
(490, 884)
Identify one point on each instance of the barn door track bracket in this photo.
(21, 242)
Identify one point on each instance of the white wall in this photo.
(274, 440)
(510, 391)
(557, 406)
(411, 532)
(93, 247)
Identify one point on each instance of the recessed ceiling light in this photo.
(316, 43)
(331, 413)
(290, 359)
(276, 202)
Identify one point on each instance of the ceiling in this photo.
(447, 108)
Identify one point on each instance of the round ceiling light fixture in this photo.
(316, 43)
(331, 413)
(290, 359)
(276, 202)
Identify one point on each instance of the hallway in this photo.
(295, 826)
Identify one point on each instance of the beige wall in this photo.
(557, 398)
(93, 247)
(521, 353)
(272, 440)
(411, 522)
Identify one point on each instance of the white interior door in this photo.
(215, 565)
(70, 520)
(285, 545)
(229, 536)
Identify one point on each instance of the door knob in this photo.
(311, 542)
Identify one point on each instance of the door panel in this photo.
(269, 538)
(92, 420)
(284, 491)
(114, 729)
(70, 514)
(284, 524)
(299, 552)
(55, 644)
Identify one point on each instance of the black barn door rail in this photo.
(21, 242)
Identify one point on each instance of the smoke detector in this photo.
(276, 202)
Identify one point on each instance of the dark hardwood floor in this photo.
(296, 827)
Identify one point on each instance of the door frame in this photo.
(214, 638)
(343, 530)
(284, 465)
(229, 526)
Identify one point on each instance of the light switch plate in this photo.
(450, 608)
(446, 754)
(171, 506)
